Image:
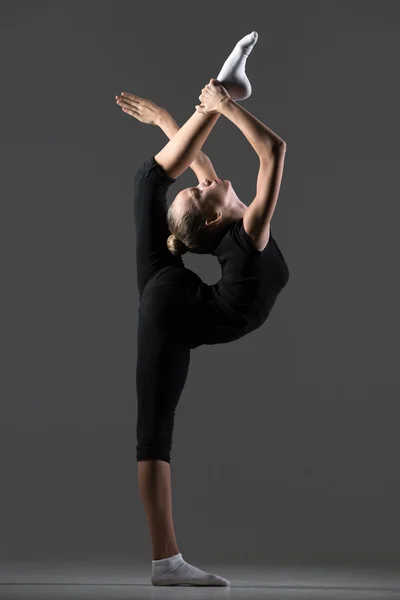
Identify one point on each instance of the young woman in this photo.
(178, 311)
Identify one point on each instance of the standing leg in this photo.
(154, 479)
(162, 368)
(161, 373)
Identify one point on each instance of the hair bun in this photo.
(175, 246)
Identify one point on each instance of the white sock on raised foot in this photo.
(233, 73)
(176, 571)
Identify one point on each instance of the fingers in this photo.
(131, 97)
(130, 112)
(204, 91)
(126, 104)
(127, 101)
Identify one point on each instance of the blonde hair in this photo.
(175, 246)
(188, 232)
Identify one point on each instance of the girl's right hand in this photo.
(211, 97)
(142, 109)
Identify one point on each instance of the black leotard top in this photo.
(238, 303)
(249, 286)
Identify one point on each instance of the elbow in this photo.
(280, 146)
(272, 148)
(277, 150)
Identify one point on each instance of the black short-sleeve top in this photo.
(249, 286)
(239, 302)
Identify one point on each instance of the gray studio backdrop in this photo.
(286, 444)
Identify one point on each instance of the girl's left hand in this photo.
(211, 97)
(142, 109)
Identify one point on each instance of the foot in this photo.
(233, 74)
(176, 571)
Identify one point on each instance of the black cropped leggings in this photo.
(162, 360)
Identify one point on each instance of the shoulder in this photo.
(150, 168)
(256, 243)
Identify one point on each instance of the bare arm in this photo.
(257, 218)
(147, 111)
(263, 139)
(179, 153)
(271, 150)
(202, 165)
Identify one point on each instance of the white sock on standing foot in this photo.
(176, 571)
(233, 73)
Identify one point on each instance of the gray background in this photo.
(286, 445)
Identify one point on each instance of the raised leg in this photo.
(233, 73)
(179, 153)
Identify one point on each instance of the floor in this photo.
(118, 582)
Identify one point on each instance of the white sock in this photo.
(176, 571)
(233, 75)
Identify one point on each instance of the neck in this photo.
(234, 211)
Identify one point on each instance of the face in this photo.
(210, 195)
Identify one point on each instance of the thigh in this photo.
(150, 186)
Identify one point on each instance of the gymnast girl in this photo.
(177, 310)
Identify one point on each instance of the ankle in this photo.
(165, 554)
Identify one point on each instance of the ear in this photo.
(213, 220)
